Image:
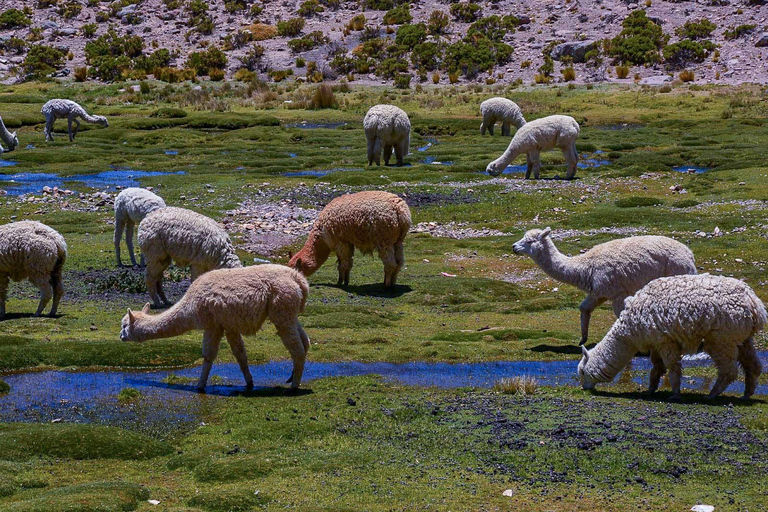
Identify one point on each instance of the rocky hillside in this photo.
(384, 41)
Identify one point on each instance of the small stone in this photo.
(351, 402)
(153, 502)
(508, 493)
(94, 328)
(702, 508)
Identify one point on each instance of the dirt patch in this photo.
(455, 230)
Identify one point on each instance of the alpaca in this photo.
(387, 126)
(541, 134)
(31, 250)
(69, 110)
(366, 221)
(672, 316)
(10, 138)
(186, 237)
(234, 302)
(610, 271)
(131, 206)
(503, 111)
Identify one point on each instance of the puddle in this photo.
(590, 163)
(293, 155)
(319, 173)
(617, 127)
(433, 161)
(7, 163)
(430, 142)
(33, 183)
(691, 169)
(584, 163)
(310, 126)
(91, 396)
(30, 146)
(171, 152)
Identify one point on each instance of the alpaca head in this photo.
(587, 382)
(128, 331)
(532, 242)
(14, 142)
(311, 256)
(495, 168)
(102, 121)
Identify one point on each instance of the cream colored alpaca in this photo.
(10, 138)
(69, 110)
(387, 127)
(500, 110)
(186, 237)
(368, 221)
(131, 206)
(232, 302)
(31, 250)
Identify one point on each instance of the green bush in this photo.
(234, 6)
(252, 59)
(379, 5)
(89, 29)
(309, 8)
(323, 97)
(391, 67)
(342, 63)
(411, 35)
(308, 42)
(42, 60)
(736, 32)
(494, 27)
(698, 29)
(4, 387)
(207, 60)
(292, 27)
(14, 18)
(111, 54)
(467, 13)
(197, 10)
(13, 45)
(398, 15)
(426, 56)
(438, 22)
(471, 58)
(682, 52)
(403, 81)
(639, 41)
(70, 9)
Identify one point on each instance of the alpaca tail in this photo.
(61, 257)
(759, 313)
(304, 286)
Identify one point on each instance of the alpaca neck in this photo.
(510, 154)
(89, 118)
(610, 356)
(558, 266)
(6, 135)
(177, 320)
(314, 253)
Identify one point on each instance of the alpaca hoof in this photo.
(674, 398)
(290, 379)
(249, 385)
(583, 341)
(291, 391)
(200, 390)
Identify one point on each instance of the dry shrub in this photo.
(520, 385)
(323, 97)
(216, 75)
(687, 75)
(453, 77)
(261, 31)
(622, 71)
(569, 74)
(81, 74)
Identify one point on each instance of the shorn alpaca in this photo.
(368, 221)
(131, 206)
(610, 271)
(69, 110)
(673, 316)
(10, 138)
(387, 127)
(232, 302)
(540, 135)
(500, 110)
(186, 237)
(31, 250)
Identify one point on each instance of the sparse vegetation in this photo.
(639, 41)
(522, 385)
(398, 15)
(206, 61)
(738, 31)
(698, 29)
(292, 27)
(438, 22)
(14, 18)
(466, 12)
(42, 60)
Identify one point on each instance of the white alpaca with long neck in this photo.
(10, 138)
(131, 206)
(540, 135)
(232, 302)
(611, 271)
(500, 110)
(673, 316)
(69, 110)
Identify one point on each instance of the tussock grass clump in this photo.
(128, 395)
(519, 385)
(170, 113)
(229, 499)
(323, 97)
(4, 387)
(637, 201)
(92, 497)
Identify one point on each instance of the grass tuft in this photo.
(519, 385)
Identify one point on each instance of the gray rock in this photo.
(128, 9)
(574, 49)
(50, 24)
(762, 40)
(655, 80)
(67, 31)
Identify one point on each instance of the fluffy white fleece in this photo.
(387, 127)
(500, 110)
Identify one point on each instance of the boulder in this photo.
(577, 50)
(762, 40)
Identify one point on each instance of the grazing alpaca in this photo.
(610, 271)
(186, 237)
(387, 126)
(368, 221)
(540, 135)
(500, 110)
(69, 110)
(234, 302)
(672, 316)
(31, 250)
(131, 206)
(10, 138)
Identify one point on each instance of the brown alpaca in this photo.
(232, 302)
(368, 221)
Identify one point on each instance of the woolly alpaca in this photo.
(131, 206)
(234, 302)
(536, 136)
(69, 110)
(186, 237)
(366, 221)
(610, 271)
(10, 138)
(671, 316)
(387, 126)
(500, 110)
(31, 250)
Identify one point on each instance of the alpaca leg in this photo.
(293, 341)
(483, 128)
(533, 164)
(371, 154)
(49, 128)
(43, 283)
(238, 350)
(670, 356)
(399, 260)
(129, 225)
(304, 338)
(377, 151)
(586, 307)
(69, 129)
(657, 371)
(3, 293)
(119, 228)
(399, 153)
(387, 255)
(506, 129)
(750, 362)
(344, 253)
(572, 159)
(618, 306)
(211, 340)
(491, 123)
(77, 127)
(58, 290)
(195, 272)
(153, 276)
(387, 153)
(725, 357)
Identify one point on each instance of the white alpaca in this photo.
(611, 271)
(387, 127)
(673, 316)
(187, 238)
(541, 135)
(69, 110)
(500, 110)
(31, 250)
(131, 206)
(10, 138)
(232, 302)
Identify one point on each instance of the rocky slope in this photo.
(544, 22)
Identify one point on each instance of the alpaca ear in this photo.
(131, 318)
(290, 255)
(298, 264)
(545, 233)
(145, 309)
(585, 352)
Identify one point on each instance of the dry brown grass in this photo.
(519, 385)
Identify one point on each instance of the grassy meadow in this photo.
(361, 443)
